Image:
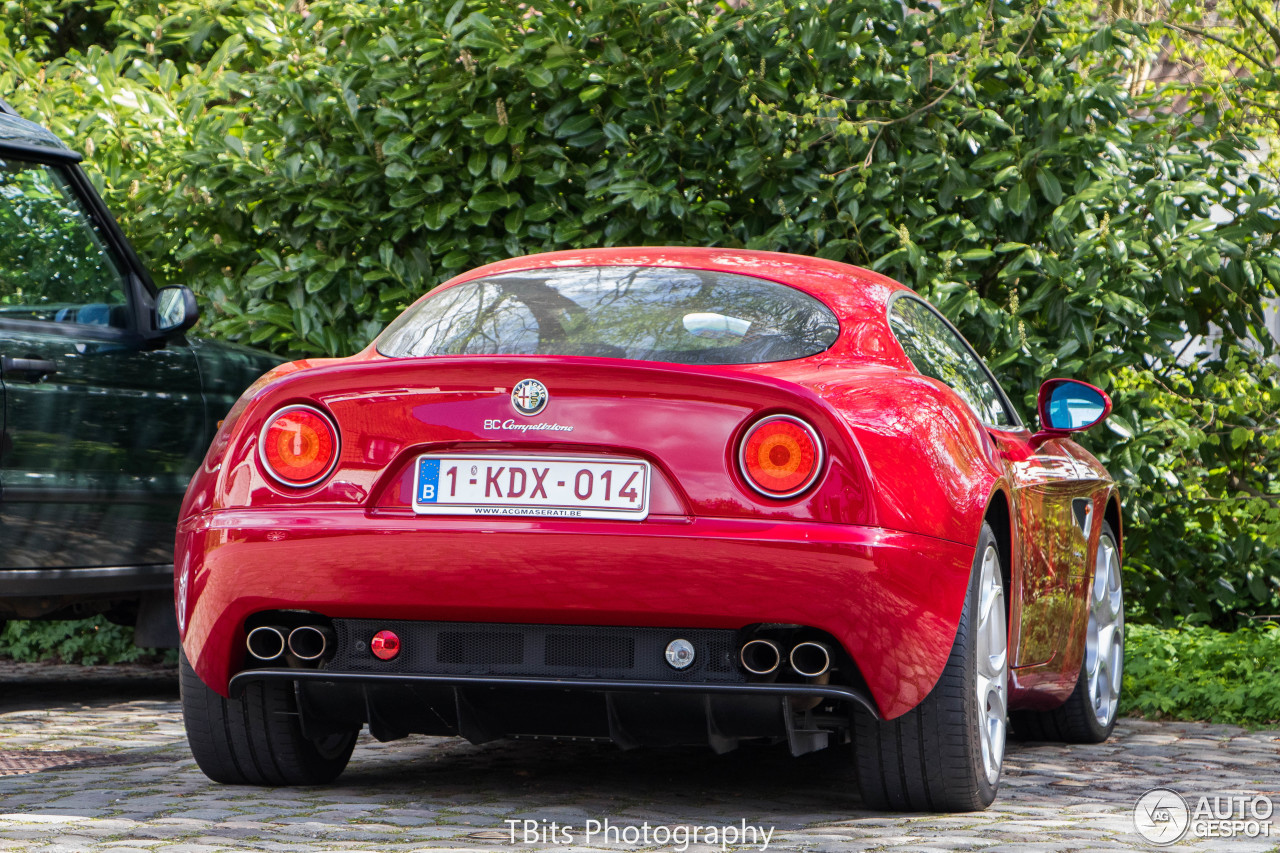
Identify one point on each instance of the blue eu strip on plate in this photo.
(428, 480)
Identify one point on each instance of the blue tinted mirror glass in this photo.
(1074, 406)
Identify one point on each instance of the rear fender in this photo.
(931, 465)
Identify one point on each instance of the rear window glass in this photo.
(643, 313)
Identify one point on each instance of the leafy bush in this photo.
(311, 168)
(88, 641)
(1197, 673)
(1205, 507)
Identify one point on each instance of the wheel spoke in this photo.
(991, 650)
(1117, 661)
(1104, 645)
(1103, 682)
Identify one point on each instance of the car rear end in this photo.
(454, 534)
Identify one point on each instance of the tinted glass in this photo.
(646, 313)
(937, 351)
(54, 263)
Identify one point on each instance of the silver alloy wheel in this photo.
(1104, 644)
(993, 665)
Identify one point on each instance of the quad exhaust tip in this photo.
(810, 659)
(307, 642)
(265, 643)
(760, 657)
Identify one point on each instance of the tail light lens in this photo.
(385, 645)
(299, 446)
(780, 456)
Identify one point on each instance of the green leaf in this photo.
(1049, 185)
(539, 77)
(1019, 197)
(488, 202)
(992, 159)
(1120, 425)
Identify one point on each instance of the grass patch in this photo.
(1198, 673)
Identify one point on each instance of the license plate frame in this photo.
(475, 489)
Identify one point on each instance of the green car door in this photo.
(104, 419)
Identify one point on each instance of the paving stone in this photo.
(427, 794)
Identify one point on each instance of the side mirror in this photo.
(1068, 405)
(176, 310)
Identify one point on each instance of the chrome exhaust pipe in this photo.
(309, 642)
(265, 643)
(760, 657)
(810, 659)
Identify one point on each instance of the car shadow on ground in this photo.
(665, 779)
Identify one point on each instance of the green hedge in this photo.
(1197, 673)
(86, 641)
(310, 168)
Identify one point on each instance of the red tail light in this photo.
(780, 456)
(299, 446)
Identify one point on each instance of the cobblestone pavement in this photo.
(127, 782)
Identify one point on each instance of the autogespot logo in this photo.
(1161, 816)
(1164, 817)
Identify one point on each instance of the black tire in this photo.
(256, 739)
(930, 759)
(1074, 721)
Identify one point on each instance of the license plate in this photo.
(522, 486)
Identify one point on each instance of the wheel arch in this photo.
(999, 515)
(1111, 515)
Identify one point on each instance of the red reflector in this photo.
(299, 446)
(780, 456)
(385, 645)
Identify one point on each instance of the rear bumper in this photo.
(891, 599)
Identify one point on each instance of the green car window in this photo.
(54, 263)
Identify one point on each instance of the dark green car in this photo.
(108, 407)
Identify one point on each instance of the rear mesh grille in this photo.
(486, 648)
(577, 650)
(561, 651)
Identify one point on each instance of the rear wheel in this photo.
(946, 754)
(257, 738)
(1089, 714)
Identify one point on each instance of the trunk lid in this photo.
(685, 422)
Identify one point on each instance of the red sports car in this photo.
(653, 496)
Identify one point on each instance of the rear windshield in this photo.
(643, 313)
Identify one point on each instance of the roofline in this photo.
(39, 153)
(723, 259)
